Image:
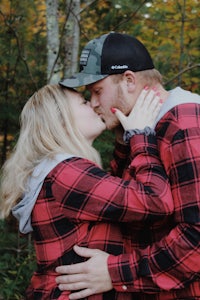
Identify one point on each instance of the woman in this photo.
(54, 184)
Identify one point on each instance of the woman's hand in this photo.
(144, 112)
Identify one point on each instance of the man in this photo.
(165, 258)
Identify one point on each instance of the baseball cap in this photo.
(111, 53)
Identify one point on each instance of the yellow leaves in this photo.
(5, 7)
(37, 18)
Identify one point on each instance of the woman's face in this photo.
(89, 123)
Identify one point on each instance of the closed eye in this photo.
(97, 92)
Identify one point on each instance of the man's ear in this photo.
(130, 80)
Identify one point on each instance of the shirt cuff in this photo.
(120, 272)
(129, 133)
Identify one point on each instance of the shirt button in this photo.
(124, 287)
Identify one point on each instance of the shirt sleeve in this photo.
(120, 157)
(173, 261)
(88, 193)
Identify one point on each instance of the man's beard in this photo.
(122, 104)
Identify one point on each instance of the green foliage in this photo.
(21, 68)
(169, 29)
(105, 145)
(17, 262)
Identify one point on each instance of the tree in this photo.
(53, 67)
(169, 29)
(15, 69)
(71, 37)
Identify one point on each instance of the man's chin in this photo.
(113, 124)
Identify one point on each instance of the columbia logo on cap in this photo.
(117, 67)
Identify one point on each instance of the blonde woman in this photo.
(55, 186)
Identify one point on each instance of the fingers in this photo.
(147, 98)
(121, 117)
(156, 109)
(80, 267)
(72, 269)
(85, 252)
(81, 294)
(72, 279)
(72, 286)
(153, 103)
(152, 100)
(141, 99)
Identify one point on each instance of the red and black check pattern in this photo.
(81, 204)
(166, 254)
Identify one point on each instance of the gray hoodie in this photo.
(177, 96)
(22, 211)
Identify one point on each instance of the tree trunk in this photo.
(53, 75)
(72, 36)
(183, 20)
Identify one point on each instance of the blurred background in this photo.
(40, 42)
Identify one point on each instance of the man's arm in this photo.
(172, 262)
(153, 271)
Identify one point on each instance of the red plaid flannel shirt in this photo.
(81, 204)
(165, 259)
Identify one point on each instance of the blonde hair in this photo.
(150, 77)
(48, 127)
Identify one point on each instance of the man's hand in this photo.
(90, 277)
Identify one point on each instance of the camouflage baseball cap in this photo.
(111, 53)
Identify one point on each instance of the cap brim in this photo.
(81, 79)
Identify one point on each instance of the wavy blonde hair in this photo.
(48, 127)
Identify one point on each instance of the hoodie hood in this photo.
(22, 211)
(177, 96)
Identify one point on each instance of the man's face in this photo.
(105, 94)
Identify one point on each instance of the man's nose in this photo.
(94, 102)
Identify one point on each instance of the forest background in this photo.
(40, 42)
